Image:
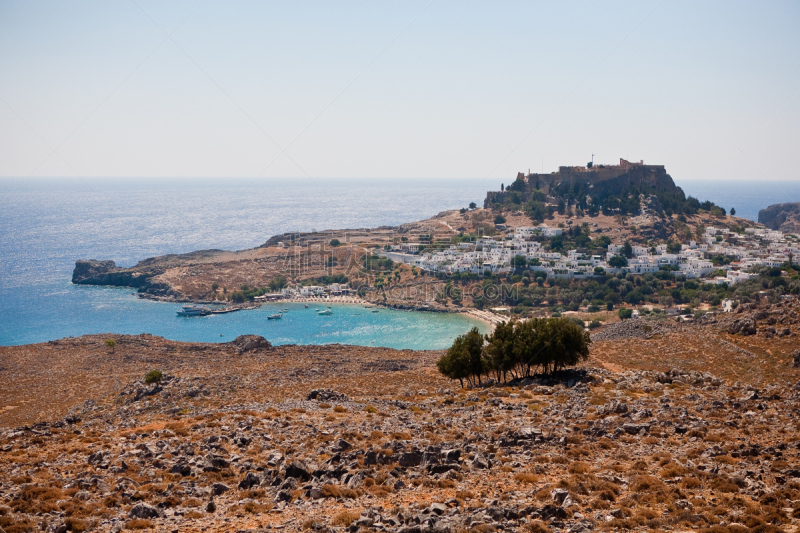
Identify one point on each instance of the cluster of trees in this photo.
(328, 280)
(515, 349)
(529, 290)
(377, 263)
(248, 293)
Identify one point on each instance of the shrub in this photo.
(335, 242)
(75, 524)
(625, 313)
(526, 478)
(154, 376)
(344, 519)
(111, 343)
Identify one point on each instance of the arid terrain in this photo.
(667, 426)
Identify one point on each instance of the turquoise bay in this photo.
(114, 310)
(48, 223)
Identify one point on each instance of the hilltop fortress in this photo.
(599, 180)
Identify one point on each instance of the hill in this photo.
(627, 189)
(243, 436)
(781, 217)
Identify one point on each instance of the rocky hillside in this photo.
(782, 217)
(244, 436)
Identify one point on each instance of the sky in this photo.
(306, 89)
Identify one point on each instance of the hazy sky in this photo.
(400, 89)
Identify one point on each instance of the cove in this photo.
(66, 310)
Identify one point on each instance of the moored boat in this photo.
(193, 310)
(325, 312)
(276, 316)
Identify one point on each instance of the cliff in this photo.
(597, 182)
(782, 217)
(94, 272)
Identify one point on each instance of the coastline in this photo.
(487, 317)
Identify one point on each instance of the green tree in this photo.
(624, 314)
(464, 359)
(278, 283)
(563, 342)
(472, 205)
(673, 247)
(111, 343)
(335, 242)
(627, 250)
(499, 219)
(618, 261)
(733, 212)
(500, 349)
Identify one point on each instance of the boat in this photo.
(306, 306)
(275, 316)
(325, 312)
(375, 311)
(193, 310)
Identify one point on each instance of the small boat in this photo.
(306, 306)
(325, 312)
(275, 316)
(375, 311)
(193, 310)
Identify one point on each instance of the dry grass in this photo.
(344, 519)
(139, 523)
(529, 479)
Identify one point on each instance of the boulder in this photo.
(246, 343)
(144, 511)
(219, 488)
(249, 481)
(297, 469)
(325, 395)
(409, 459)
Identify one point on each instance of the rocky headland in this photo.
(781, 217)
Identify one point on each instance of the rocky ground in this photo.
(675, 427)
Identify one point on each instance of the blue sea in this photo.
(46, 224)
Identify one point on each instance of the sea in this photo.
(48, 223)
